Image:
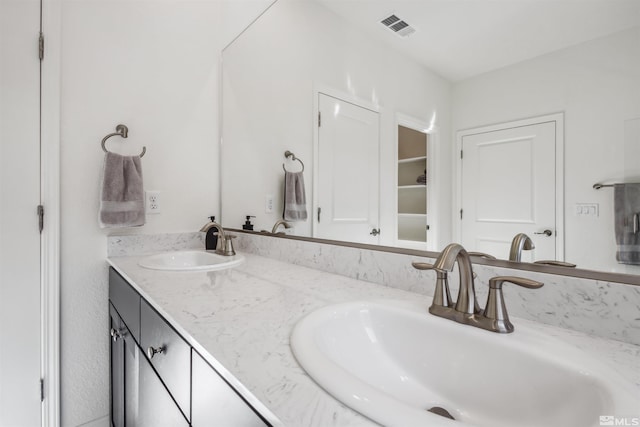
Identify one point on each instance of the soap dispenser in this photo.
(247, 224)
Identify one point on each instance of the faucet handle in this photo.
(426, 266)
(496, 310)
(482, 255)
(442, 294)
(496, 282)
(555, 263)
(226, 245)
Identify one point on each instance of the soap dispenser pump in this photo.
(247, 224)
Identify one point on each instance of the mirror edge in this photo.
(620, 278)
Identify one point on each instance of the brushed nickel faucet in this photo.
(466, 310)
(224, 242)
(520, 242)
(278, 224)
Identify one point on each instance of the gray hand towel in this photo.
(122, 195)
(626, 204)
(295, 204)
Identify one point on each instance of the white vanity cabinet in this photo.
(157, 378)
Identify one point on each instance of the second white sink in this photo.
(392, 361)
(193, 260)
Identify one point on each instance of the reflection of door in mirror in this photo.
(509, 187)
(348, 146)
(412, 188)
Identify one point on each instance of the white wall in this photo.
(270, 74)
(597, 86)
(152, 65)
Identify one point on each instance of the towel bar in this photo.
(293, 157)
(123, 131)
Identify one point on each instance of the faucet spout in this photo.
(466, 310)
(467, 301)
(212, 242)
(519, 243)
(278, 224)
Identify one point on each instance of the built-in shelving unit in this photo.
(412, 193)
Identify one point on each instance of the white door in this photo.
(348, 165)
(509, 187)
(19, 198)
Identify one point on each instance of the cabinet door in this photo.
(169, 355)
(131, 380)
(117, 369)
(215, 403)
(156, 407)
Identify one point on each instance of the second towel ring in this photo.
(293, 157)
(123, 131)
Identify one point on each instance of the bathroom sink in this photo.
(393, 362)
(190, 261)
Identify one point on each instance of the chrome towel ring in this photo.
(123, 131)
(293, 157)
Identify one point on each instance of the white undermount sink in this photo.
(392, 362)
(192, 260)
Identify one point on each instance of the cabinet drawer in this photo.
(169, 354)
(126, 301)
(216, 403)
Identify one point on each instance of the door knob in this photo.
(153, 351)
(375, 232)
(546, 232)
(116, 334)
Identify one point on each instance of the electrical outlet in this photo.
(152, 202)
(587, 209)
(268, 203)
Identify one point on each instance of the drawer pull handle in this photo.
(153, 351)
(118, 333)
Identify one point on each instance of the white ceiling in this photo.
(462, 38)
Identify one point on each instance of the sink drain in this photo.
(441, 411)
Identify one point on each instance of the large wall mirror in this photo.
(418, 123)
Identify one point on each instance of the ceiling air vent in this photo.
(398, 26)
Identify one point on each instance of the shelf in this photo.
(412, 159)
(411, 215)
(412, 227)
(406, 187)
(412, 202)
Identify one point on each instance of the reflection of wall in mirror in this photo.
(596, 84)
(269, 78)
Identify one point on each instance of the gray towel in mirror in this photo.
(122, 195)
(627, 210)
(295, 201)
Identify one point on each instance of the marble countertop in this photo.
(240, 321)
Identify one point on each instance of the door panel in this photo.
(173, 363)
(509, 187)
(348, 164)
(155, 405)
(19, 197)
(117, 369)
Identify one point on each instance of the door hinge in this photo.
(319, 119)
(41, 389)
(460, 213)
(41, 46)
(40, 218)
(461, 154)
(319, 210)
